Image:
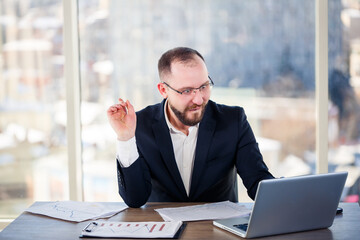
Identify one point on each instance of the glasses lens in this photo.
(205, 89)
(187, 92)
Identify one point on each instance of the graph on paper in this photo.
(208, 211)
(77, 211)
(131, 229)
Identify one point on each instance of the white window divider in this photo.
(72, 78)
(321, 79)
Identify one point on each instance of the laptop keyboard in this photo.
(241, 226)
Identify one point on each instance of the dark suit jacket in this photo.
(225, 146)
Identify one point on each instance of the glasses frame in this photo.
(211, 83)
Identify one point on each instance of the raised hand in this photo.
(122, 119)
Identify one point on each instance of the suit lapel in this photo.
(205, 136)
(163, 140)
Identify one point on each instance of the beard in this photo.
(181, 115)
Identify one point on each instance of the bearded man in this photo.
(186, 148)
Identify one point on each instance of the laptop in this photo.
(287, 205)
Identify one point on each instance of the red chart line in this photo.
(152, 227)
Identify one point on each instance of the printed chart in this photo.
(208, 211)
(77, 211)
(132, 229)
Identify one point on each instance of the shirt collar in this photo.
(172, 129)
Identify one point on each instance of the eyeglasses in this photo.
(188, 91)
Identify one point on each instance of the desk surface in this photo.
(31, 226)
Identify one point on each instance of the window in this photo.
(344, 94)
(33, 154)
(260, 54)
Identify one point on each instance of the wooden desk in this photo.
(29, 226)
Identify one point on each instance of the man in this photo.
(186, 148)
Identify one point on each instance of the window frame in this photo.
(321, 84)
(73, 99)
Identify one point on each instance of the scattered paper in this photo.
(209, 211)
(77, 211)
(106, 229)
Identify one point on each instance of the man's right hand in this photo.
(122, 119)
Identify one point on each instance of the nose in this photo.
(198, 97)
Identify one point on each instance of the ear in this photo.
(163, 90)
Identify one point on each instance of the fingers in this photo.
(126, 107)
(115, 108)
(130, 107)
(123, 104)
(121, 101)
(122, 119)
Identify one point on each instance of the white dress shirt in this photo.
(184, 150)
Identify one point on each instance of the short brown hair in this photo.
(180, 54)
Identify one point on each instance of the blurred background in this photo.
(260, 55)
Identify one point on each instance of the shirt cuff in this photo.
(127, 152)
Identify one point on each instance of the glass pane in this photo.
(33, 156)
(260, 55)
(344, 94)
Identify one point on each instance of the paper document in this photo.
(109, 229)
(77, 211)
(209, 211)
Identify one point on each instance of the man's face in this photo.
(188, 109)
(191, 115)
